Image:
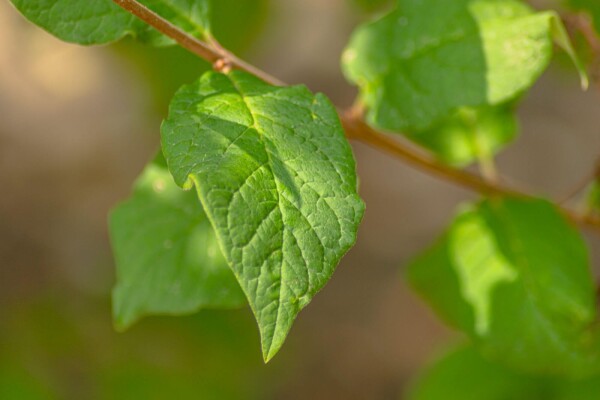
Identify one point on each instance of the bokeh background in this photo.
(78, 124)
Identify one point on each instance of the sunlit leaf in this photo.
(421, 61)
(277, 179)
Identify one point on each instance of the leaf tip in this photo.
(585, 80)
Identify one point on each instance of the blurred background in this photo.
(78, 124)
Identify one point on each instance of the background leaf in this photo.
(102, 21)
(514, 275)
(469, 134)
(277, 179)
(426, 58)
(167, 255)
(464, 374)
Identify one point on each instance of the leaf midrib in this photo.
(269, 165)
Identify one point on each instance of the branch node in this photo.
(223, 65)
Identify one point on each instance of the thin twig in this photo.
(210, 52)
(357, 129)
(354, 126)
(360, 131)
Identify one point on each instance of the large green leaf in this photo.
(515, 276)
(428, 57)
(469, 134)
(102, 21)
(168, 258)
(277, 179)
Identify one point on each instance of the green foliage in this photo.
(47, 341)
(514, 275)
(464, 374)
(102, 21)
(276, 201)
(167, 255)
(16, 383)
(421, 61)
(276, 178)
(469, 134)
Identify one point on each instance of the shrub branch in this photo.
(354, 125)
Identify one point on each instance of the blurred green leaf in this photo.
(588, 389)
(236, 24)
(464, 374)
(58, 348)
(167, 255)
(469, 134)
(16, 383)
(515, 276)
(277, 179)
(426, 58)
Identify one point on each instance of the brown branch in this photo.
(213, 53)
(357, 129)
(354, 126)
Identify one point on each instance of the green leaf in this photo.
(277, 179)
(167, 255)
(102, 21)
(515, 276)
(469, 134)
(426, 58)
(464, 374)
(19, 383)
